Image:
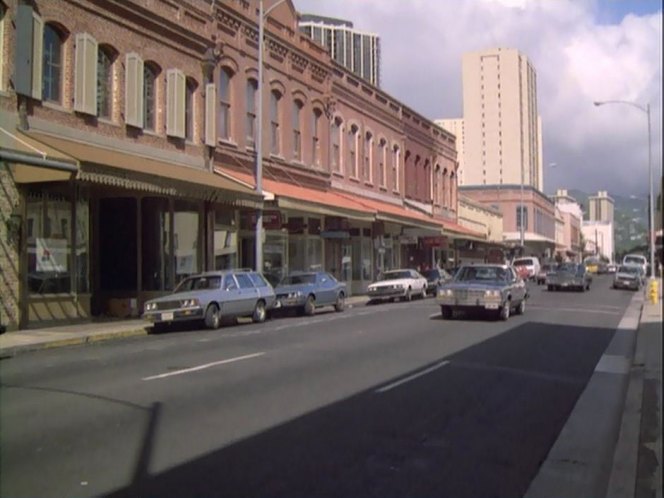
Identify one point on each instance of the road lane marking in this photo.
(577, 310)
(202, 367)
(412, 377)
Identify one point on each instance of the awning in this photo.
(31, 161)
(456, 231)
(527, 237)
(123, 169)
(395, 214)
(309, 200)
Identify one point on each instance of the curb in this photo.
(72, 341)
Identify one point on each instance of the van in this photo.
(530, 264)
(636, 260)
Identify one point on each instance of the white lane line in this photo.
(202, 367)
(412, 377)
(575, 310)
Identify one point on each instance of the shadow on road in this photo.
(478, 426)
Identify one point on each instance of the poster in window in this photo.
(51, 255)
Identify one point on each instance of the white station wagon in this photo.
(398, 284)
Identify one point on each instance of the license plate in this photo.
(491, 306)
(166, 317)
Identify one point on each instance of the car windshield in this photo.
(634, 260)
(394, 275)
(305, 278)
(522, 262)
(567, 267)
(636, 270)
(431, 274)
(486, 273)
(198, 283)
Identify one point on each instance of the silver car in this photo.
(484, 287)
(209, 296)
(628, 277)
(573, 276)
(306, 291)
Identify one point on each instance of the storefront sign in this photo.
(407, 239)
(336, 223)
(51, 255)
(436, 241)
(335, 234)
(271, 220)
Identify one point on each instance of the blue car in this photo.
(306, 291)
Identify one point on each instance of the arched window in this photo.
(225, 77)
(150, 73)
(396, 160)
(252, 90)
(452, 191)
(368, 156)
(297, 132)
(105, 58)
(436, 185)
(189, 117)
(52, 64)
(315, 138)
(275, 138)
(445, 188)
(335, 139)
(382, 161)
(353, 134)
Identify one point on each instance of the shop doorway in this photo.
(117, 246)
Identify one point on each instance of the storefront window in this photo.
(185, 239)
(49, 242)
(315, 253)
(356, 243)
(82, 245)
(225, 239)
(366, 258)
(274, 258)
(155, 231)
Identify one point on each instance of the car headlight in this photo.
(398, 286)
(190, 303)
(293, 295)
(445, 292)
(150, 306)
(492, 293)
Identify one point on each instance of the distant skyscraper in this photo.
(600, 207)
(357, 51)
(502, 131)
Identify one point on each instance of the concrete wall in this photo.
(9, 257)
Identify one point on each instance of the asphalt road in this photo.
(382, 400)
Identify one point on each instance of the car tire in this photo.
(260, 312)
(446, 312)
(212, 317)
(309, 306)
(340, 303)
(521, 309)
(504, 312)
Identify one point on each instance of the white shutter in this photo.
(210, 115)
(134, 90)
(37, 51)
(85, 74)
(175, 102)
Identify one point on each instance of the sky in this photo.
(582, 50)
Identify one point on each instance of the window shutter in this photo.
(210, 103)
(85, 71)
(37, 50)
(134, 90)
(175, 102)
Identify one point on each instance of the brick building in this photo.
(128, 153)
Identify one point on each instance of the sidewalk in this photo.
(20, 341)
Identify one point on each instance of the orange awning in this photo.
(450, 227)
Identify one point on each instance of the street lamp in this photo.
(262, 15)
(646, 110)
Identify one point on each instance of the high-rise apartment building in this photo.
(502, 132)
(357, 51)
(600, 207)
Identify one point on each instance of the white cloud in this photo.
(577, 60)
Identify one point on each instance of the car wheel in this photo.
(521, 309)
(409, 295)
(446, 312)
(504, 312)
(212, 317)
(340, 304)
(309, 307)
(259, 312)
(424, 292)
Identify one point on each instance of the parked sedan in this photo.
(487, 287)
(397, 284)
(628, 277)
(435, 278)
(306, 291)
(569, 276)
(209, 296)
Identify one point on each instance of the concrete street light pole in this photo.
(262, 15)
(645, 110)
